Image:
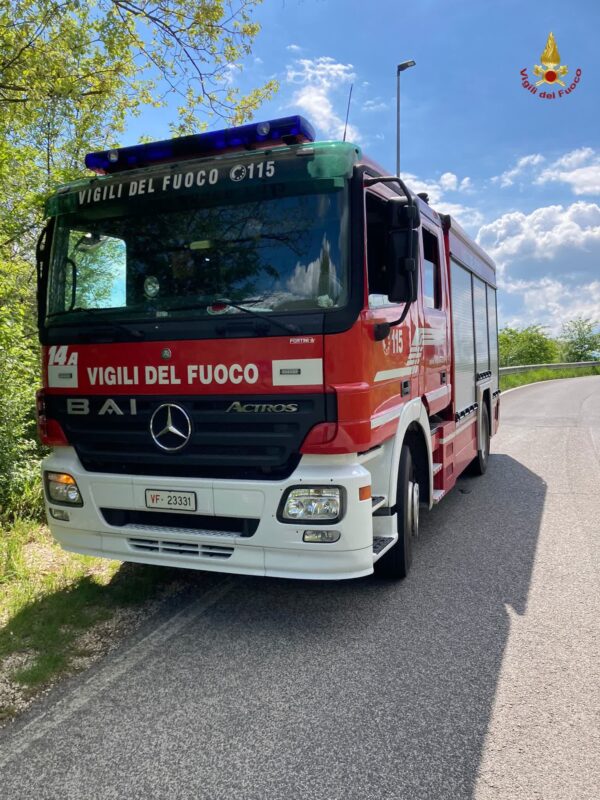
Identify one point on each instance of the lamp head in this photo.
(405, 65)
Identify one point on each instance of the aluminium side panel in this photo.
(463, 336)
(480, 315)
(493, 335)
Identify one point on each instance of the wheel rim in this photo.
(413, 508)
(486, 444)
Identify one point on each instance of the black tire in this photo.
(395, 564)
(479, 464)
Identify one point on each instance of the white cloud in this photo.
(417, 185)
(229, 73)
(523, 165)
(469, 218)
(551, 302)
(575, 158)
(541, 234)
(317, 80)
(580, 169)
(294, 48)
(324, 72)
(449, 181)
(466, 185)
(375, 105)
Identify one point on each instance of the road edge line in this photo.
(109, 673)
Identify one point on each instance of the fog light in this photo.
(58, 513)
(314, 503)
(321, 537)
(62, 488)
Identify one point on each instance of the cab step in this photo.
(381, 544)
(438, 495)
(437, 468)
(377, 502)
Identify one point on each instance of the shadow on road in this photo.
(365, 688)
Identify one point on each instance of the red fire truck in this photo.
(262, 355)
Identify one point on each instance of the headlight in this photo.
(62, 488)
(312, 503)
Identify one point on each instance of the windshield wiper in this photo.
(93, 312)
(223, 302)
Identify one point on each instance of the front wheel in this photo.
(396, 562)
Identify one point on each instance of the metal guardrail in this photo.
(527, 367)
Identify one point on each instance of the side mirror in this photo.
(403, 261)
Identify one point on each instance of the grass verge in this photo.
(49, 599)
(535, 375)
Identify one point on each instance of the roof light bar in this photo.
(287, 130)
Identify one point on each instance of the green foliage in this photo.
(536, 375)
(530, 345)
(48, 598)
(580, 339)
(19, 454)
(71, 73)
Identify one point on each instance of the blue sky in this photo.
(521, 173)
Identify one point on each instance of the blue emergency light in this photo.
(287, 130)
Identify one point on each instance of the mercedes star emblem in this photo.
(170, 427)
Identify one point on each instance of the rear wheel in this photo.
(396, 562)
(480, 463)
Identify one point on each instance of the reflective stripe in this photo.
(437, 393)
(423, 337)
(386, 416)
(459, 429)
(386, 374)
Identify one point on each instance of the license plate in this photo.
(176, 501)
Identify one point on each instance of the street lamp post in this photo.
(401, 67)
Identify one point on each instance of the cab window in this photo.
(376, 246)
(432, 296)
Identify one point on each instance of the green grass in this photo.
(48, 598)
(535, 375)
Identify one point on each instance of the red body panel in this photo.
(232, 366)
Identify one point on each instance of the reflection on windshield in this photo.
(283, 254)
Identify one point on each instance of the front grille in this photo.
(190, 523)
(252, 445)
(212, 551)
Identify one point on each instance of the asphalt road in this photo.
(477, 677)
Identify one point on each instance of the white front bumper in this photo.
(276, 549)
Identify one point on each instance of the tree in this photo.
(580, 339)
(71, 73)
(530, 345)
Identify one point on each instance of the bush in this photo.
(530, 345)
(579, 339)
(20, 489)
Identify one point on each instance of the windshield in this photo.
(179, 258)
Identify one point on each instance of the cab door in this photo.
(435, 331)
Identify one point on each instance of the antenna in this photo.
(348, 111)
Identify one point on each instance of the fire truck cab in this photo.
(261, 355)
